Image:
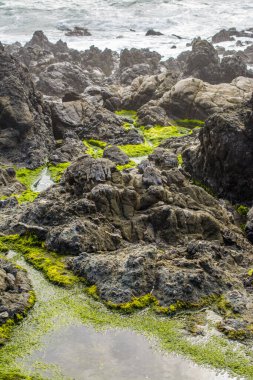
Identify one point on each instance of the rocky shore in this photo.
(152, 164)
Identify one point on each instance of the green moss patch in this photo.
(28, 176)
(130, 165)
(138, 150)
(242, 210)
(158, 134)
(190, 123)
(127, 113)
(51, 264)
(95, 148)
(57, 171)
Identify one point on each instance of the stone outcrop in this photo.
(25, 128)
(223, 158)
(15, 290)
(145, 230)
(194, 99)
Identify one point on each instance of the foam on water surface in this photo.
(108, 19)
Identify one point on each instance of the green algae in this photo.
(190, 123)
(130, 165)
(180, 159)
(127, 113)
(51, 264)
(137, 150)
(98, 143)
(28, 176)
(157, 134)
(93, 150)
(242, 210)
(57, 171)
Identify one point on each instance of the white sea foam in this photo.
(109, 19)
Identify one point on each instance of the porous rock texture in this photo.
(15, 290)
(144, 230)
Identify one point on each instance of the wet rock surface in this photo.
(15, 290)
(149, 230)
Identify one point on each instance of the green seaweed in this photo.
(127, 113)
(180, 159)
(190, 123)
(57, 171)
(138, 150)
(28, 176)
(92, 150)
(242, 210)
(158, 134)
(97, 143)
(130, 165)
(51, 264)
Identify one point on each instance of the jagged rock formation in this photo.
(25, 128)
(15, 290)
(223, 158)
(142, 230)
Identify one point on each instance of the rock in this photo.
(223, 158)
(105, 60)
(67, 150)
(249, 226)
(89, 121)
(129, 74)
(25, 128)
(233, 67)
(151, 114)
(129, 58)
(116, 155)
(62, 78)
(8, 183)
(222, 36)
(78, 32)
(146, 229)
(14, 292)
(152, 32)
(203, 62)
(144, 89)
(194, 99)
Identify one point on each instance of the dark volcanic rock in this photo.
(78, 32)
(203, 62)
(136, 62)
(116, 155)
(61, 78)
(89, 121)
(223, 159)
(152, 32)
(233, 67)
(143, 230)
(222, 36)
(15, 290)
(25, 130)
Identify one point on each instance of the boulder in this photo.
(194, 99)
(223, 158)
(25, 127)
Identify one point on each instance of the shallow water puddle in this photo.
(81, 353)
(43, 182)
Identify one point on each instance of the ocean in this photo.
(110, 21)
